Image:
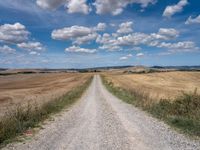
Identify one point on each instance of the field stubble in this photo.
(181, 109)
(27, 114)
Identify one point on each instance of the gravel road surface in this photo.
(100, 121)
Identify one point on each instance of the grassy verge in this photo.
(20, 119)
(182, 113)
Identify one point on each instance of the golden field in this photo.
(163, 85)
(36, 88)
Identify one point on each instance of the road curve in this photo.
(100, 121)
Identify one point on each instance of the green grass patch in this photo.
(18, 120)
(183, 113)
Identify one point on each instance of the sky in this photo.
(94, 33)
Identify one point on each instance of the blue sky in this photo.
(92, 33)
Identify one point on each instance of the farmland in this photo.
(21, 89)
(170, 96)
(164, 85)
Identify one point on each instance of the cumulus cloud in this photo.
(169, 33)
(78, 34)
(133, 39)
(179, 45)
(77, 6)
(70, 32)
(6, 50)
(100, 27)
(125, 27)
(119, 40)
(13, 33)
(105, 38)
(77, 49)
(191, 20)
(85, 39)
(123, 58)
(73, 6)
(140, 54)
(147, 39)
(173, 9)
(50, 4)
(31, 46)
(34, 53)
(126, 57)
(108, 42)
(116, 41)
(184, 46)
(115, 7)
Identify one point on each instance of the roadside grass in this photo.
(20, 119)
(183, 113)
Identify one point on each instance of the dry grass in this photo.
(182, 112)
(36, 88)
(166, 85)
(21, 118)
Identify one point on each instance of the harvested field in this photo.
(36, 88)
(165, 85)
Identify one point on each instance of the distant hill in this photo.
(178, 67)
(123, 69)
(3, 69)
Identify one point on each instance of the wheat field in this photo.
(37, 88)
(163, 85)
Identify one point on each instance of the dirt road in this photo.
(100, 121)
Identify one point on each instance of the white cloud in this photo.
(168, 32)
(70, 32)
(49, 4)
(173, 9)
(125, 27)
(86, 39)
(115, 7)
(191, 20)
(108, 41)
(18, 35)
(6, 50)
(123, 58)
(77, 6)
(139, 54)
(34, 53)
(179, 45)
(126, 57)
(147, 39)
(13, 33)
(116, 41)
(31, 46)
(77, 49)
(78, 34)
(111, 43)
(100, 27)
(133, 39)
(105, 38)
(129, 55)
(112, 24)
(110, 47)
(73, 6)
(165, 34)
